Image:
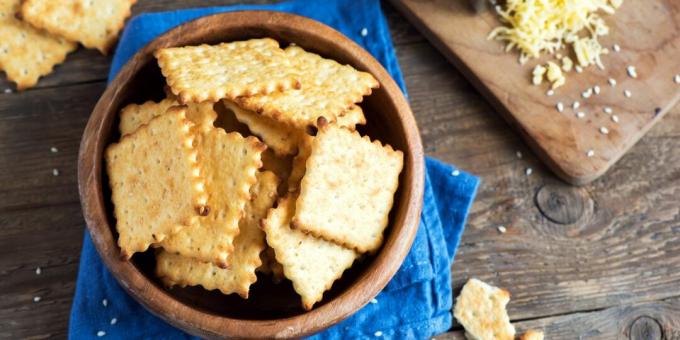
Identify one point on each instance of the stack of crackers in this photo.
(36, 35)
(252, 163)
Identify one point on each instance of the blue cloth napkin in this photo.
(415, 304)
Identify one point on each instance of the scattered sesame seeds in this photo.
(55, 172)
(502, 229)
(596, 89)
(590, 153)
(550, 93)
(374, 301)
(519, 154)
(587, 93)
(604, 130)
(36, 299)
(38, 271)
(378, 333)
(105, 302)
(114, 321)
(676, 79)
(616, 48)
(7, 91)
(578, 69)
(608, 110)
(101, 333)
(580, 114)
(455, 172)
(615, 118)
(575, 105)
(631, 71)
(529, 171)
(364, 32)
(627, 93)
(54, 149)
(560, 106)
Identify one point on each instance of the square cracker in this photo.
(26, 53)
(228, 70)
(311, 263)
(95, 24)
(348, 188)
(135, 115)
(174, 269)
(229, 165)
(155, 182)
(480, 308)
(282, 139)
(328, 90)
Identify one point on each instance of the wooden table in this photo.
(600, 261)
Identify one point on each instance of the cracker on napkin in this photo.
(312, 264)
(155, 182)
(95, 24)
(480, 308)
(327, 90)
(174, 269)
(348, 188)
(229, 164)
(27, 53)
(228, 70)
(133, 116)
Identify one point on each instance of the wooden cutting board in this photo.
(648, 32)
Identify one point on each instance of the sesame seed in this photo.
(114, 321)
(101, 333)
(616, 48)
(38, 271)
(578, 69)
(529, 171)
(105, 302)
(7, 91)
(608, 110)
(54, 149)
(502, 229)
(36, 299)
(612, 82)
(550, 93)
(676, 79)
(374, 301)
(364, 32)
(590, 153)
(587, 93)
(596, 89)
(455, 172)
(378, 333)
(615, 118)
(627, 93)
(560, 106)
(580, 114)
(575, 105)
(518, 154)
(604, 130)
(55, 172)
(631, 71)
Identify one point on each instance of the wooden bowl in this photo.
(273, 310)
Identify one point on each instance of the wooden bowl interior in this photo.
(267, 300)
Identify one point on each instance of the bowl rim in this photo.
(195, 321)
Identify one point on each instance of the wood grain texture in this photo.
(650, 40)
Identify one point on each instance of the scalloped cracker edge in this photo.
(480, 308)
(133, 116)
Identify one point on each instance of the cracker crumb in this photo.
(54, 149)
(364, 32)
(378, 333)
(374, 301)
(590, 153)
(575, 105)
(560, 107)
(114, 321)
(631, 71)
(101, 333)
(529, 171)
(455, 172)
(596, 89)
(550, 93)
(612, 82)
(502, 229)
(55, 172)
(580, 114)
(7, 90)
(38, 271)
(616, 48)
(608, 110)
(627, 93)
(105, 302)
(615, 118)
(604, 130)
(36, 299)
(518, 154)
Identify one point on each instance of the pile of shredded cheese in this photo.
(546, 26)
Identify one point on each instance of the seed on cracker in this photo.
(281, 138)
(227, 70)
(480, 308)
(95, 24)
(229, 165)
(155, 182)
(312, 264)
(133, 115)
(175, 269)
(27, 53)
(348, 188)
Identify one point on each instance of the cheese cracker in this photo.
(327, 90)
(135, 115)
(348, 187)
(27, 53)
(95, 24)
(229, 165)
(227, 70)
(480, 308)
(155, 182)
(312, 264)
(175, 269)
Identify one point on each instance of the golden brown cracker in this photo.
(155, 182)
(27, 53)
(95, 24)
(480, 308)
(327, 90)
(312, 264)
(228, 70)
(175, 269)
(133, 116)
(351, 118)
(229, 165)
(348, 188)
